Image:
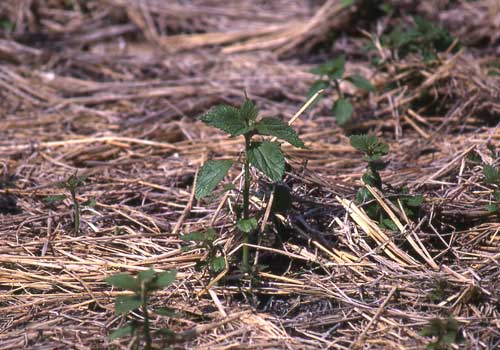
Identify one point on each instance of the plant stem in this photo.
(147, 334)
(246, 203)
(76, 208)
(337, 87)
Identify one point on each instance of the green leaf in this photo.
(56, 198)
(414, 201)
(268, 158)
(342, 110)
(248, 111)
(226, 118)
(164, 279)
(247, 225)
(124, 281)
(363, 195)
(347, 2)
(208, 235)
(334, 69)
(372, 178)
(496, 195)
(212, 172)
(388, 223)
(491, 175)
(360, 82)
(316, 86)
(121, 332)
(492, 208)
(217, 264)
(280, 129)
(127, 303)
(369, 144)
(146, 276)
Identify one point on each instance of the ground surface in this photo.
(113, 89)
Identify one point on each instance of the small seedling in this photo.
(424, 38)
(214, 260)
(331, 74)
(72, 184)
(374, 150)
(492, 177)
(264, 155)
(446, 333)
(142, 286)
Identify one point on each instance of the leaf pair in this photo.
(205, 239)
(334, 70)
(370, 145)
(145, 282)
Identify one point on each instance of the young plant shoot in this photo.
(374, 150)
(142, 286)
(264, 155)
(331, 74)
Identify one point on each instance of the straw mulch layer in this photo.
(112, 89)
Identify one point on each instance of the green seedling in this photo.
(72, 184)
(214, 261)
(142, 286)
(424, 38)
(264, 155)
(439, 290)
(492, 177)
(446, 333)
(331, 75)
(374, 150)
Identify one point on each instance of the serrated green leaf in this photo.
(248, 111)
(491, 175)
(333, 69)
(212, 172)
(342, 110)
(127, 303)
(164, 279)
(122, 332)
(217, 264)
(226, 118)
(369, 144)
(247, 225)
(56, 198)
(280, 129)
(360, 82)
(124, 281)
(268, 158)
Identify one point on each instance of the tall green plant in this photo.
(264, 155)
(142, 286)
